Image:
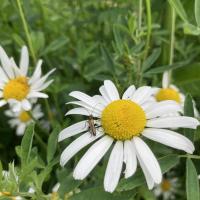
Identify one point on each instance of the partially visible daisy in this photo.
(16, 87)
(22, 119)
(171, 92)
(167, 189)
(123, 122)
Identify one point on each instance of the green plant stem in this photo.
(37, 123)
(42, 144)
(139, 40)
(149, 27)
(25, 26)
(57, 106)
(148, 38)
(50, 114)
(190, 156)
(172, 40)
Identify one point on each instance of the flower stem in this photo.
(37, 123)
(140, 7)
(25, 26)
(172, 40)
(149, 27)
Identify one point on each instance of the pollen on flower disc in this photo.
(123, 119)
(17, 88)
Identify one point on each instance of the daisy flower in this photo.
(171, 92)
(22, 119)
(167, 189)
(16, 87)
(123, 122)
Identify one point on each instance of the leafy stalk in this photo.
(25, 26)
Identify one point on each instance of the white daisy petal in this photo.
(35, 94)
(45, 85)
(73, 130)
(90, 159)
(100, 99)
(147, 157)
(128, 94)
(173, 122)
(79, 111)
(114, 167)
(76, 146)
(26, 105)
(103, 92)
(6, 64)
(165, 79)
(162, 108)
(37, 84)
(148, 177)
(20, 129)
(129, 158)
(2, 102)
(169, 138)
(91, 110)
(142, 94)
(37, 73)
(24, 61)
(16, 70)
(3, 76)
(111, 90)
(88, 100)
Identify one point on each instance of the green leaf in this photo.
(151, 59)
(192, 182)
(189, 111)
(191, 29)
(26, 143)
(108, 59)
(118, 39)
(67, 184)
(158, 70)
(166, 163)
(52, 143)
(197, 11)
(98, 193)
(177, 5)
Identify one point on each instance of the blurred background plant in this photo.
(127, 41)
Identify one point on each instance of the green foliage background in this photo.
(88, 42)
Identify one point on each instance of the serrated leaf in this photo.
(52, 143)
(197, 11)
(166, 163)
(177, 5)
(27, 142)
(189, 111)
(192, 182)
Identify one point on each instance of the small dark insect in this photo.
(92, 126)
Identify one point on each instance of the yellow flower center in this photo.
(165, 185)
(24, 116)
(17, 88)
(168, 94)
(123, 119)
